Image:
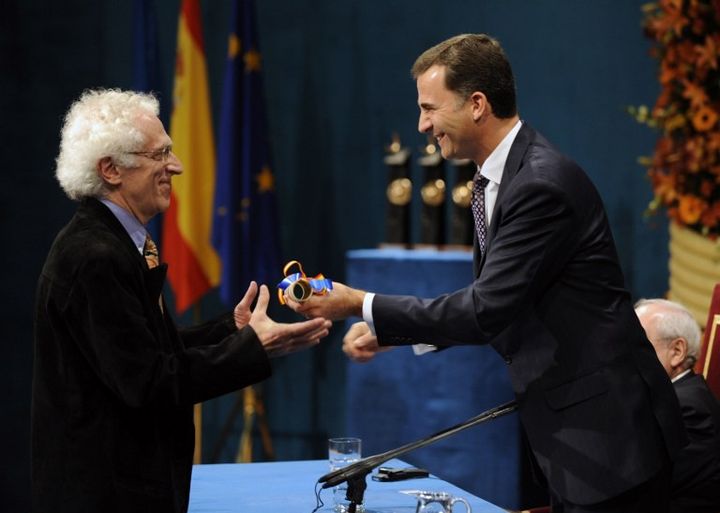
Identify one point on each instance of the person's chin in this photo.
(446, 153)
(163, 204)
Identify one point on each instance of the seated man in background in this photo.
(676, 337)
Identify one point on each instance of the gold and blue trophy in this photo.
(299, 287)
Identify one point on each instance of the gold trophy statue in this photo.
(399, 195)
(432, 215)
(461, 221)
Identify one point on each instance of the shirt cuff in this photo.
(367, 311)
(421, 349)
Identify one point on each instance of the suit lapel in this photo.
(154, 278)
(514, 161)
(97, 212)
(515, 158)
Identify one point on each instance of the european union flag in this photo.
(245, 216)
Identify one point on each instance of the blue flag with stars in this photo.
(245, 227)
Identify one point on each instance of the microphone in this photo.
(357, 471)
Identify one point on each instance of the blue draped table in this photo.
(289, 486)
(398, 397)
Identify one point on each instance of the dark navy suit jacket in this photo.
(598, 409)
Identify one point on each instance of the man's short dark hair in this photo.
(474, 62)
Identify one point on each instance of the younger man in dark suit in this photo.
(676, 337)
(548, 294)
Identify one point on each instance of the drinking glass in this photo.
(341, 453)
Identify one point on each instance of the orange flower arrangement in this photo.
(685, 167)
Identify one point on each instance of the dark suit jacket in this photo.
(114, 381)
(696, 474)
(549, 296)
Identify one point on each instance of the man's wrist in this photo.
(357, 303)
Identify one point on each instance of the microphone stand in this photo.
(355, 474)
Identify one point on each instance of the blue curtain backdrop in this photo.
(147, 73)
(337, 85)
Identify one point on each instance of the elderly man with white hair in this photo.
(114, 380)
(676, 337)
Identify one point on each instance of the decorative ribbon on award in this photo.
(432, 215)
(461, 221)
(298, 287)
(399, 194)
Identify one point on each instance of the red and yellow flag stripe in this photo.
(194, 266)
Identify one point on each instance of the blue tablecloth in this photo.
(289, 487)
(399, 397)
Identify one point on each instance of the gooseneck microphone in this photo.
(355, 473)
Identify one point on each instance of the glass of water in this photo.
(341, 453)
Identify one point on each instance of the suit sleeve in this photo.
(115, 335)
(208, 333)
(533, 242)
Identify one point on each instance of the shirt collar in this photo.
(132, 226)
(681, 375)
(492, 168)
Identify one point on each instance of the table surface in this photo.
(412, 255)
(289, 486)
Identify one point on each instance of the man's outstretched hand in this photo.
(277, 338)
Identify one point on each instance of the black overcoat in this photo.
(114, 380)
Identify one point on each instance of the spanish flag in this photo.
(194, 266)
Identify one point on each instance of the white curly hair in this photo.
(101, 123)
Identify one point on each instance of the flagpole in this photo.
(197, 409)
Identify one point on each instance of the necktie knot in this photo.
(152, 257)
(480, 182)
(150, 252)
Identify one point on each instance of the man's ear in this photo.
(678, 351)
(480, 105)
(108, 171)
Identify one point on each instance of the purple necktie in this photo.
(478, 208)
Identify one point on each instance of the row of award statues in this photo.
(438, 199)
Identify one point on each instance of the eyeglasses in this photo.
(161, 155)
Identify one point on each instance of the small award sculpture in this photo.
(299, 287)
(432, 215)
(461, 221)
(399, 195)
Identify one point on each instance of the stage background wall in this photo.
(337, 85)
